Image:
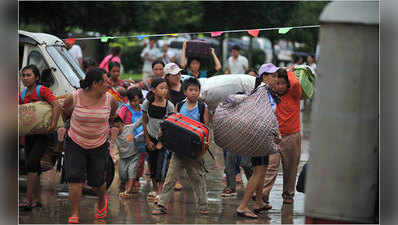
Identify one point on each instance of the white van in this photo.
(58, 70)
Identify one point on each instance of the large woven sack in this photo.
(35, 118)
(306, 79)
(246, 125)
(216, 89)
(198, 48)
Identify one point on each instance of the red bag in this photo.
(183, 135)
(198, 48)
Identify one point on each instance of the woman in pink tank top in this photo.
(86, 145)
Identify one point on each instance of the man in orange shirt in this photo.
(288, 114)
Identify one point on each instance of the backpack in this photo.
(201, 107)
(23, 94)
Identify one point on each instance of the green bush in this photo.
(131, 59)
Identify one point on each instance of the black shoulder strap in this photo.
(180, 104)
(201, 107)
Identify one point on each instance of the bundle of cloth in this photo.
(35, 118)
(216, 89)
(246, 124)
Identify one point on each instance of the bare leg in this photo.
(160, 187)
(259, 192)
(31, 186)
(101, 190)
(130, 186)
(75, 192)
(252, 186)
(37, 190)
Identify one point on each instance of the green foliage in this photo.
(307, 13)
(131, 58)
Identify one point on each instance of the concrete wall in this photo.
(342, 181)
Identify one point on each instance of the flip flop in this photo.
(36, 204)
(25, 206)
(100, 214)
(260, 210)
(245, 215)
(160, 210)
(74, 220)
(204, 212)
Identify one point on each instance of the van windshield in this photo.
(66, 64)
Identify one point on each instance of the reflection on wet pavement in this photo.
(181, 210)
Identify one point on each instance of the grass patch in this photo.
(129, 76)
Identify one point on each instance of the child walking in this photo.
(196, 110)
(128, 153)
(131, 113)
(155, 109)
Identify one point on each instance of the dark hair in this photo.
(296, 58)
(192, 59)
(118, 120)
(151, 96)
(236, 47)
(87, 62)
(113, 64)
(135, 91)
(34, 69)
(116, 50)
(259, 79)
(122, 91)
(191, 81)
(94, 75)
(252, 70)
(283, 74)
(157, 62)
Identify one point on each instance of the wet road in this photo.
(182, 209)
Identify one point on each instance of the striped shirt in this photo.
(89, 125)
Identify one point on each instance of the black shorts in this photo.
(35, 147)
(260, 161)
(80, 162)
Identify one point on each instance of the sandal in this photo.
(25, 206)
(36, 204)
(260, 210)
(246, 215)
(151, 195)
(160, 210)
(204, 212)
(74, 220)
(124, 194)
(100, 214)
(177, 187)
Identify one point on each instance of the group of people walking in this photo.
(97, 121)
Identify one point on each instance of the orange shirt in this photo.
(288, 111)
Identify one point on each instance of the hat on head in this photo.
(267, 68)
(70, 41)
(171, 68)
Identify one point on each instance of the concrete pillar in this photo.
(342, 180)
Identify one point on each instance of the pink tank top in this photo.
(89, 125)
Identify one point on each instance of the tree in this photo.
(248, 15)
(307, 13)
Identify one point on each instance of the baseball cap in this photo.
(171, 68)
(267, 68)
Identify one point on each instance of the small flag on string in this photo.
(216, 34)
(104, 39)
(140, 37)
(254, 33)
(284, 30)
(173, 34)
